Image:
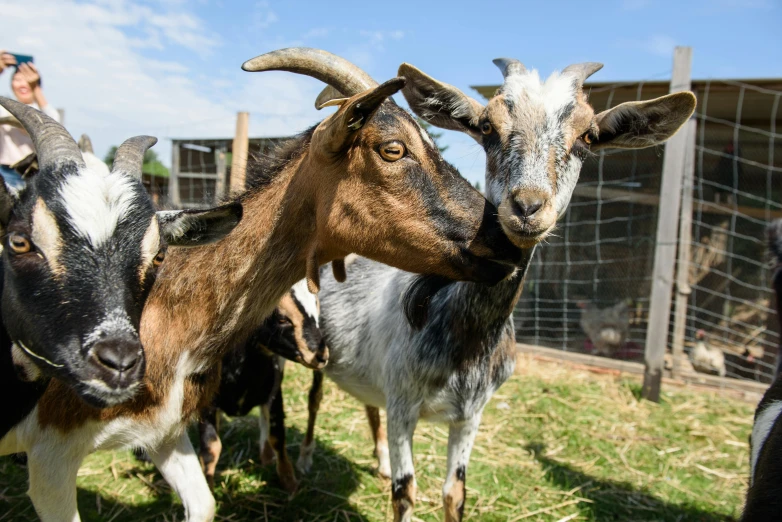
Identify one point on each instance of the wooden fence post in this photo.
(685, 247)
(240, 149)
(173, 179)
(665, 241)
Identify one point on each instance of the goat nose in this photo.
(118, 356)
(526, 207)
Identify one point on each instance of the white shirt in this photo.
(15, 144)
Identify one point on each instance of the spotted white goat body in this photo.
(536, 136)
(362, 180)
(82, 246)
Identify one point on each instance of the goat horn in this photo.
(326, 67)
(327, 96)
(52, 142)
(509, 66)
(129, 157)
(85, 144)
(582, 71)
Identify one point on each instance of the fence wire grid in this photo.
(602, 254)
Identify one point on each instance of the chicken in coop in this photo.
(705, 358)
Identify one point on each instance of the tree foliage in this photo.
(152, 164)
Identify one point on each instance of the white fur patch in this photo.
(763, 424)
(307, 299)
(150, 245)
(553, 94)
(96, 202)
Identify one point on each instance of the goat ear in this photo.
(636, 125)
(440, 104)
(356, 111)
(191, 228)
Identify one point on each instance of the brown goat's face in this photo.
(536, 135)
(394, 199)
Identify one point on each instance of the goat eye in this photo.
(282, 321)
(486, 127)
(19, 243)
(392, 151)
(159, 258)
(588, 137)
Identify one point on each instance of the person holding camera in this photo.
(15, 144)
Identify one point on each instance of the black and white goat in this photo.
(251, 375)
(81, 249)
(764, 497)
(536, 136)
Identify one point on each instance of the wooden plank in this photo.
(642, 198)
(222, 171)
(173, 181)
(665, 241)
(240, 149)
(634, 368)
(685, 244)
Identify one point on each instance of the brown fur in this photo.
(453, 501)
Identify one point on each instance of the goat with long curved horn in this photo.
(329, 68)
(52, 142)
(129, 158)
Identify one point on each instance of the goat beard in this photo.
(418, 295)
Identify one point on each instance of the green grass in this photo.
(557, 444)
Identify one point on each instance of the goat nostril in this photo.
(527, 207)
(117, 356)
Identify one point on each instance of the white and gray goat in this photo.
(536, 135)
(82, 246)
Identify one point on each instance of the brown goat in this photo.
(367, 179)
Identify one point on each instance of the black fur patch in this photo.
(461, 473)
(263, 168)
(400, 486)
(415, 300)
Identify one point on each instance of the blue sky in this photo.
(171, 68)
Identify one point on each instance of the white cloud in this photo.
(91, 58)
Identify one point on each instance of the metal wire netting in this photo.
(603, 252)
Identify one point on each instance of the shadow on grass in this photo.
(614, 500)
(244, 489)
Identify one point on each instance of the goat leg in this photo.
(52, 470)
(381, 442)
(210, 445)
(304, 464)
(178, 463)
(460, 440)
(402, 419)
(277, 441)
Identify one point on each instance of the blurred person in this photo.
(15, 144)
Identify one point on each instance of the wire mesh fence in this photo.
(201, 170)
(593, 278)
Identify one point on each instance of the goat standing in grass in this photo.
(536, 136)
(367, 180)
(251, 375)
(82, 246)
(764, 497)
